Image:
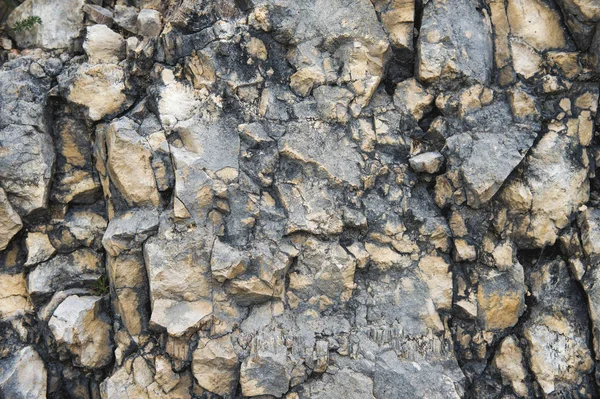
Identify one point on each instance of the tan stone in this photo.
(526, 61)
(99, 88)
(10, 221)
(129, 165)
(215, 365)
(463, 251)
(14, 299)
(436, 273)
(509, 360)
(536, 23)
(39, 248)
(384, 258)
(398, 21)
(103, 44)
(412, 97)
(523, 105)
(81, 328)
(256, 48)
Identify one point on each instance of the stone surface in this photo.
(23, 375)
(10, 222)
(103, 45)
(79, 268)
(80, 326)
(149, 23)
(215, 366)
(61, 23)
(454, 43)
(300, 199)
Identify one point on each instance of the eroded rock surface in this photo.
(296, 199)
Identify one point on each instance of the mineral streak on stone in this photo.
(299, 199)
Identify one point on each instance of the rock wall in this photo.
(326, 199)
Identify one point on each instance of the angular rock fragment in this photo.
(61, 23)
(180, 281)
(557, 331)
(83, 330)
(454, 43)
(14, 299)
(149, 23)
(26, 163)
(226, 262)
(264, 371)
(129, 231)
(98, 88)
(129, 164)
(10, 222)
(103, 45)
(509, 360)
(428, 162)
(79, 268)
(39, 248)
(215, 366)
(23, 375)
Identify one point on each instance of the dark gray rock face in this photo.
(300, 199)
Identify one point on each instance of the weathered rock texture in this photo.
(326, 199)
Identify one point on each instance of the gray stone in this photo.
(454, 43)
(428, 162)
(23, 375)
(61, 23)
(83, 330)
(79, 268)
(149, 23)
(129, 231)
(26, 164)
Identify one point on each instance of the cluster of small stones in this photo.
(326, 199)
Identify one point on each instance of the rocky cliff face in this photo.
(326, 199)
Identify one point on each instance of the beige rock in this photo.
(536, 23)
(149, 23)
(215, 365)
(127, 275)
(567, 63)
(256, 48)
(23, 375)
(428, 162)
(556, 355)
(502, 52)
(102, 44)
(509, 360)
(463, 251)
(526, 61)
(554, 186)
(80, 326)
(385, 258)
(410, 96)
(226, 262)
(129, 165)
(523, 105)
(305, 79)
(10, 221)
(435, 271)
(14, 299)
(501, 298)
(200, 70)
(99, 88)
(61, 23)
(39, 248)
(398, 20)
